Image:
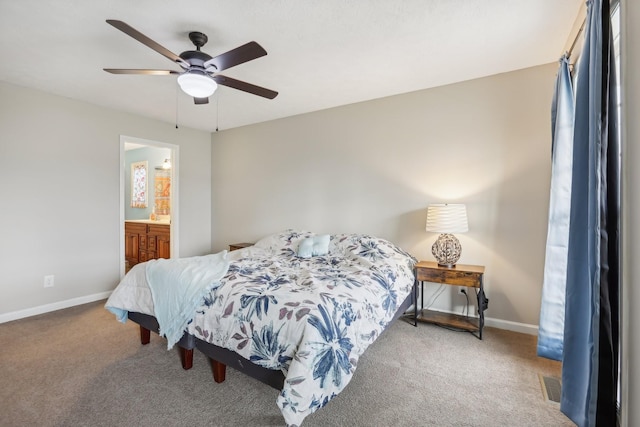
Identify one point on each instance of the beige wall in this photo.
(630, 64)
(59, 198)
(373, 167)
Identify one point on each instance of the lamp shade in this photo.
(447, 218)
(197, 84)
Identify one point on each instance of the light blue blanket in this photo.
(178, 287)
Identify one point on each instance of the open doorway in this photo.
(148, 201)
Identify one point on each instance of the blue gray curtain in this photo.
(551, 328)
(591, 319)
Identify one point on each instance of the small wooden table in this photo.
(236, 246)
(470, 276)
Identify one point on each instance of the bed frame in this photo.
(149, 323)
(220, 357)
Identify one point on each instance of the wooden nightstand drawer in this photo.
(459, 275)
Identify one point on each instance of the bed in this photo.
(132, 300)
(296, 320)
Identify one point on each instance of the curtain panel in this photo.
(551, 326)
(591, 325)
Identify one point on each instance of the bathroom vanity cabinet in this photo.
(145, 240)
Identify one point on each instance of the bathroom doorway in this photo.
(148, 201)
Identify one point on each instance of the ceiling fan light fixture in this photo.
(197, 84)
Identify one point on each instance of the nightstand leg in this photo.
(421, 295)
(481, 320)
(415, 303)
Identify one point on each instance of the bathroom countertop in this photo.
(148, 221)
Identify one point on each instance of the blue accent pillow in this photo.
(305, 249)
(321, 245)
(314, 246)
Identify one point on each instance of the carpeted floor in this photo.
(80, 367)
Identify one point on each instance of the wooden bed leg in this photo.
(145, 335)
(186, 355)
(219, 371)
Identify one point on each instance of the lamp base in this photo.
(447, 250)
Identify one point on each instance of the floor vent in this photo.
(551, 388)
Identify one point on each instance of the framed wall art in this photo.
(162, 185)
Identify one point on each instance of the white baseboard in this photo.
(511, 326)
(28, 312)
(20, 314)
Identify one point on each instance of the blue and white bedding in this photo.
(311, 318)
(168, 289)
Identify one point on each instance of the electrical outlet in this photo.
(48, 281)
(462, 291)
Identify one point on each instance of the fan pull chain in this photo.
(217, 110)
(176, 106)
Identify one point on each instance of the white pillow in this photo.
(314, 246)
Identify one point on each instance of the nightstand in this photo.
(470, 276)
(236, 246)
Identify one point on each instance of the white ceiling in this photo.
(321, 54)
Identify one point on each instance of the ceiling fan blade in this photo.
(136, 71)
(239, 55)
(200, 101)
(130, 31)
(245, 87)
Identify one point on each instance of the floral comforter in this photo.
(313, 317)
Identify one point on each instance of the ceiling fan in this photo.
(199, 76)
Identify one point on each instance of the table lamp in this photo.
(447, 219)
